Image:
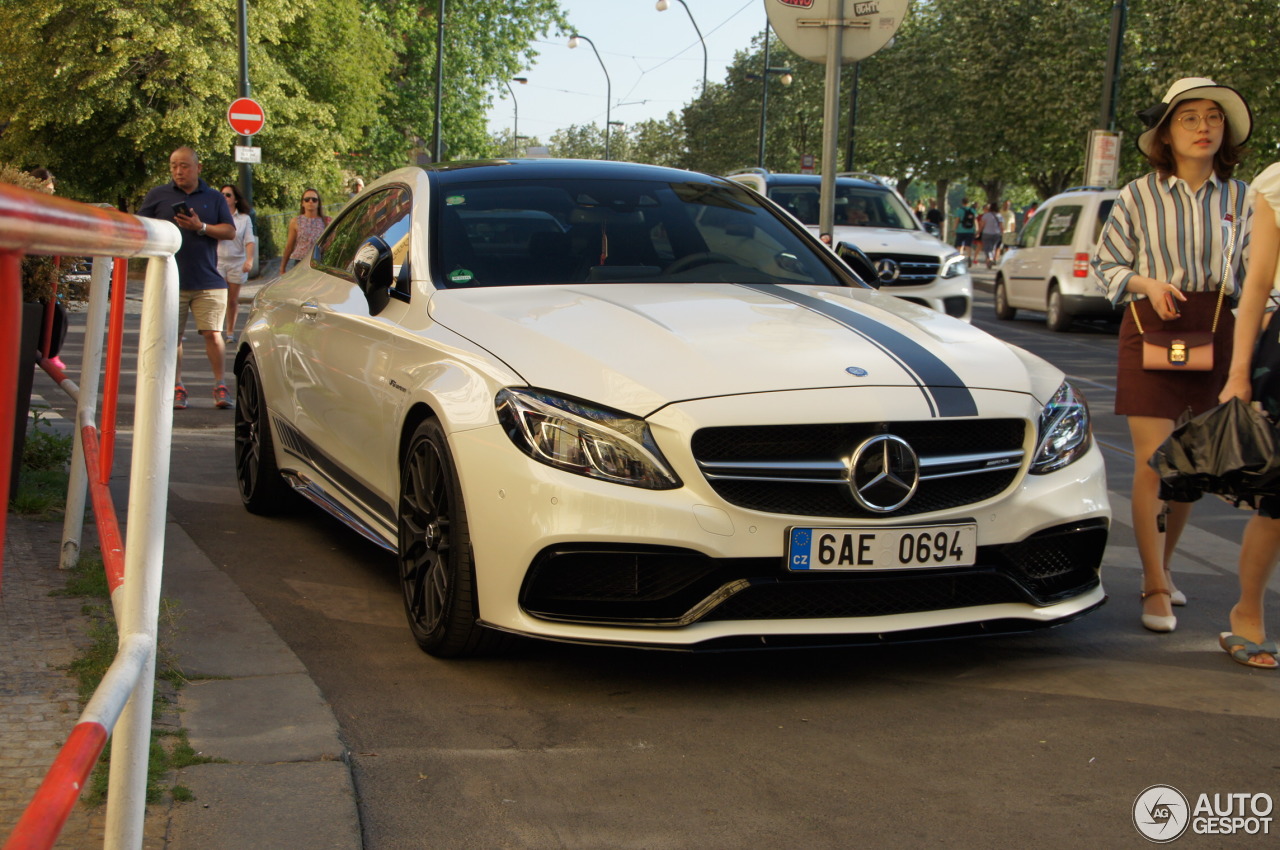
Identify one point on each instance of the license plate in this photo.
(896, 548)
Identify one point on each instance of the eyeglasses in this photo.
(228, 196)
(311, 200)
(1190, 121)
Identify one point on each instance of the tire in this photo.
(437, 575)
(1056, 316)
(1003, 310)
(262, 489)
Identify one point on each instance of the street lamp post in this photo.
(608, 84)
(515, 121)
(664, 5)
(784, 77)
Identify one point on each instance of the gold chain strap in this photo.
(1226, 268)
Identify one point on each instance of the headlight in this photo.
(578, 437)
(1064, 431)
(954, 266)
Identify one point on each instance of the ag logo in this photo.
(1161, 813)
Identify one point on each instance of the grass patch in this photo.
(169, 749)
(42, 481)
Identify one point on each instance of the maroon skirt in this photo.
(1169, 394)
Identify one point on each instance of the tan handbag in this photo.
(1190, 351)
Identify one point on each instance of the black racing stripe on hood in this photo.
(944, 391)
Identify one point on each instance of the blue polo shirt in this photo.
(197, 259)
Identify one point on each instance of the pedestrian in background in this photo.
(966, 230)
(304, 230)
(357, 186)
(1173, 249)
(235, 256)
(203, 218)
(1010, 233)
(936, 217)
(1255, 376)
(990, 229)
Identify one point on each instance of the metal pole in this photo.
(1111, 77)
(246, 169)
(515, 123)
(608, 87)
(764, 96)
(831, 120)
(437, 144)
(853, 120)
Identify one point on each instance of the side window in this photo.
(386, 214)
(1031, 231)
(1060, 224)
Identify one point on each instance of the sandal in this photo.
(1158, 622)
(1246, 651)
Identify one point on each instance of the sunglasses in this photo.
(311, 200)
(228, 196)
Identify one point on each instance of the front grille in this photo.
(668, 587)
(913, 269)
(802, 470)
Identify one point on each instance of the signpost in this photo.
(834, 33)
(1102, 159)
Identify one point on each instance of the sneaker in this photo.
(221, 397)
(179, 397)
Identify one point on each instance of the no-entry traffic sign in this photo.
(245, 116)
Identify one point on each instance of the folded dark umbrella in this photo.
(1229, 450)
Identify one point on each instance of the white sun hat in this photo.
(1239, 118)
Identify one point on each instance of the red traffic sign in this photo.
(245, 116)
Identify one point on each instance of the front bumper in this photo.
(564, 557)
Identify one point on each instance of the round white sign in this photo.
(868, 25)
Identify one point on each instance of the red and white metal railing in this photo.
(31, 223)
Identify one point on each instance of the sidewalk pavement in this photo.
(281, 779)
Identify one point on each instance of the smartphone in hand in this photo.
(181, 208)
(1171, 304)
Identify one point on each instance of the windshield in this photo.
(856, 206)
(573, 231)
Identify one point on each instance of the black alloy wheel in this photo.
(262, 489)
(436, 571)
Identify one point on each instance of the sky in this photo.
(654, 60)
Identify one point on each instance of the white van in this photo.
(910, 262)
(1048, 268)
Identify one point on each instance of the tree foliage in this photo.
(101, 91)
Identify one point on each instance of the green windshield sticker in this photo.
(454, 200)
(461, 276)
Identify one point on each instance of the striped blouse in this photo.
(1160, 229)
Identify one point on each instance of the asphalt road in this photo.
(1042, 740)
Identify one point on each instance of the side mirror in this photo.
(372, 270)
(861, 264)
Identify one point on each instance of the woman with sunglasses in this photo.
(304, 230)
(235, 256)
(1173, 253)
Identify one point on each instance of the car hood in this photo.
(638, 347)
(874, 240)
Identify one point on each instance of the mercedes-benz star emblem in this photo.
(884, 473)
(887, 270)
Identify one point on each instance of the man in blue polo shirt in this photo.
(203, 217)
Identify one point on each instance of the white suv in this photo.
(910, 262)
(1048, 269)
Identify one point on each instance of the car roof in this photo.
(560, 169)
(772, 180)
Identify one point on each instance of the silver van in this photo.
(1048, 268)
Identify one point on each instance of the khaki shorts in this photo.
(209, 306)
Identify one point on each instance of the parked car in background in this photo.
(910, 262)
(653, 410)
(1048, 267)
